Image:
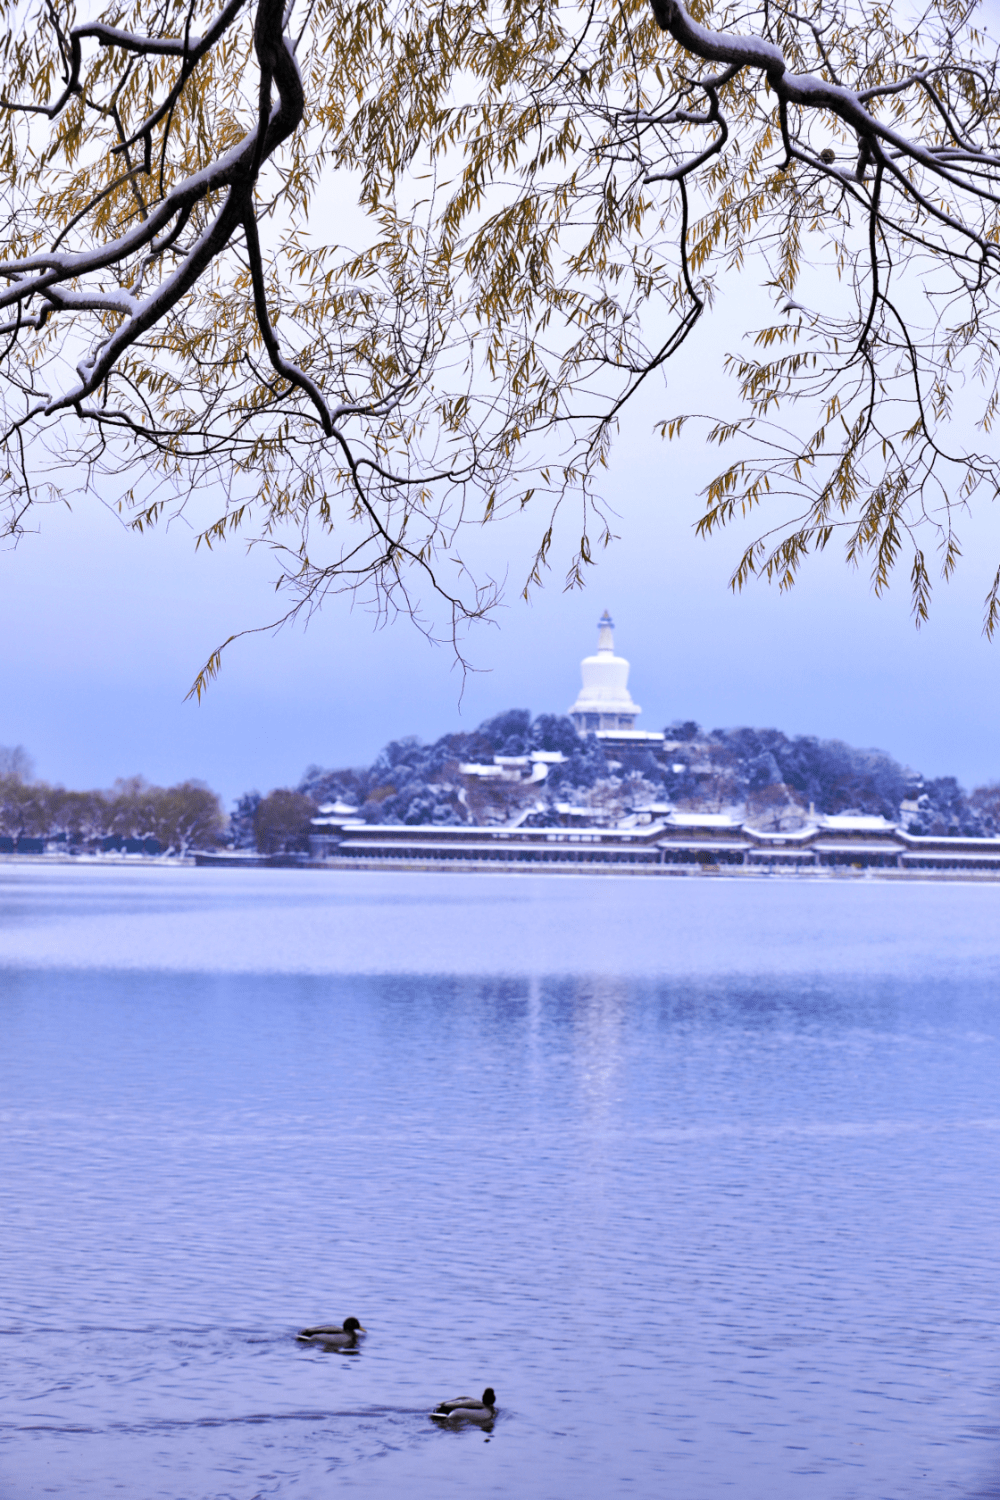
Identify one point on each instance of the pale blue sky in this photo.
(105, 631)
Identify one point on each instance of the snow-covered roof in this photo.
(860, 822)
(495, 772)
(639, 736)
(702, 820)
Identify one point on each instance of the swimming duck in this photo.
(332, 1335)
(468, 1408)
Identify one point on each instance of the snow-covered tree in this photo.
(281, 822)
(242, 834)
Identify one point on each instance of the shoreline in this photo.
(668, 872)
(133, 861)
(698, 871)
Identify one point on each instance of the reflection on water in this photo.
(705, 1235)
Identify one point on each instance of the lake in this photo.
(702, 1176)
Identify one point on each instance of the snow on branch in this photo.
(550, 201)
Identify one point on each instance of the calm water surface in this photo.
(701, 1176)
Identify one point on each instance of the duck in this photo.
(467, 1408)
(332, 1335)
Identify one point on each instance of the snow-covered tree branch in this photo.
(549, 200)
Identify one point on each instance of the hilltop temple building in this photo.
(604, 705)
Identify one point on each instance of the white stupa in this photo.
(604, 702)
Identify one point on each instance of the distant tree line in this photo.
(132, 814)
(765, 776)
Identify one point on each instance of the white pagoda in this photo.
(604, 701)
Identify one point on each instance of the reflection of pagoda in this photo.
(604, 706)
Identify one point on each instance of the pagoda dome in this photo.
(604, 701)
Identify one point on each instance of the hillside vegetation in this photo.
(760, 775)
